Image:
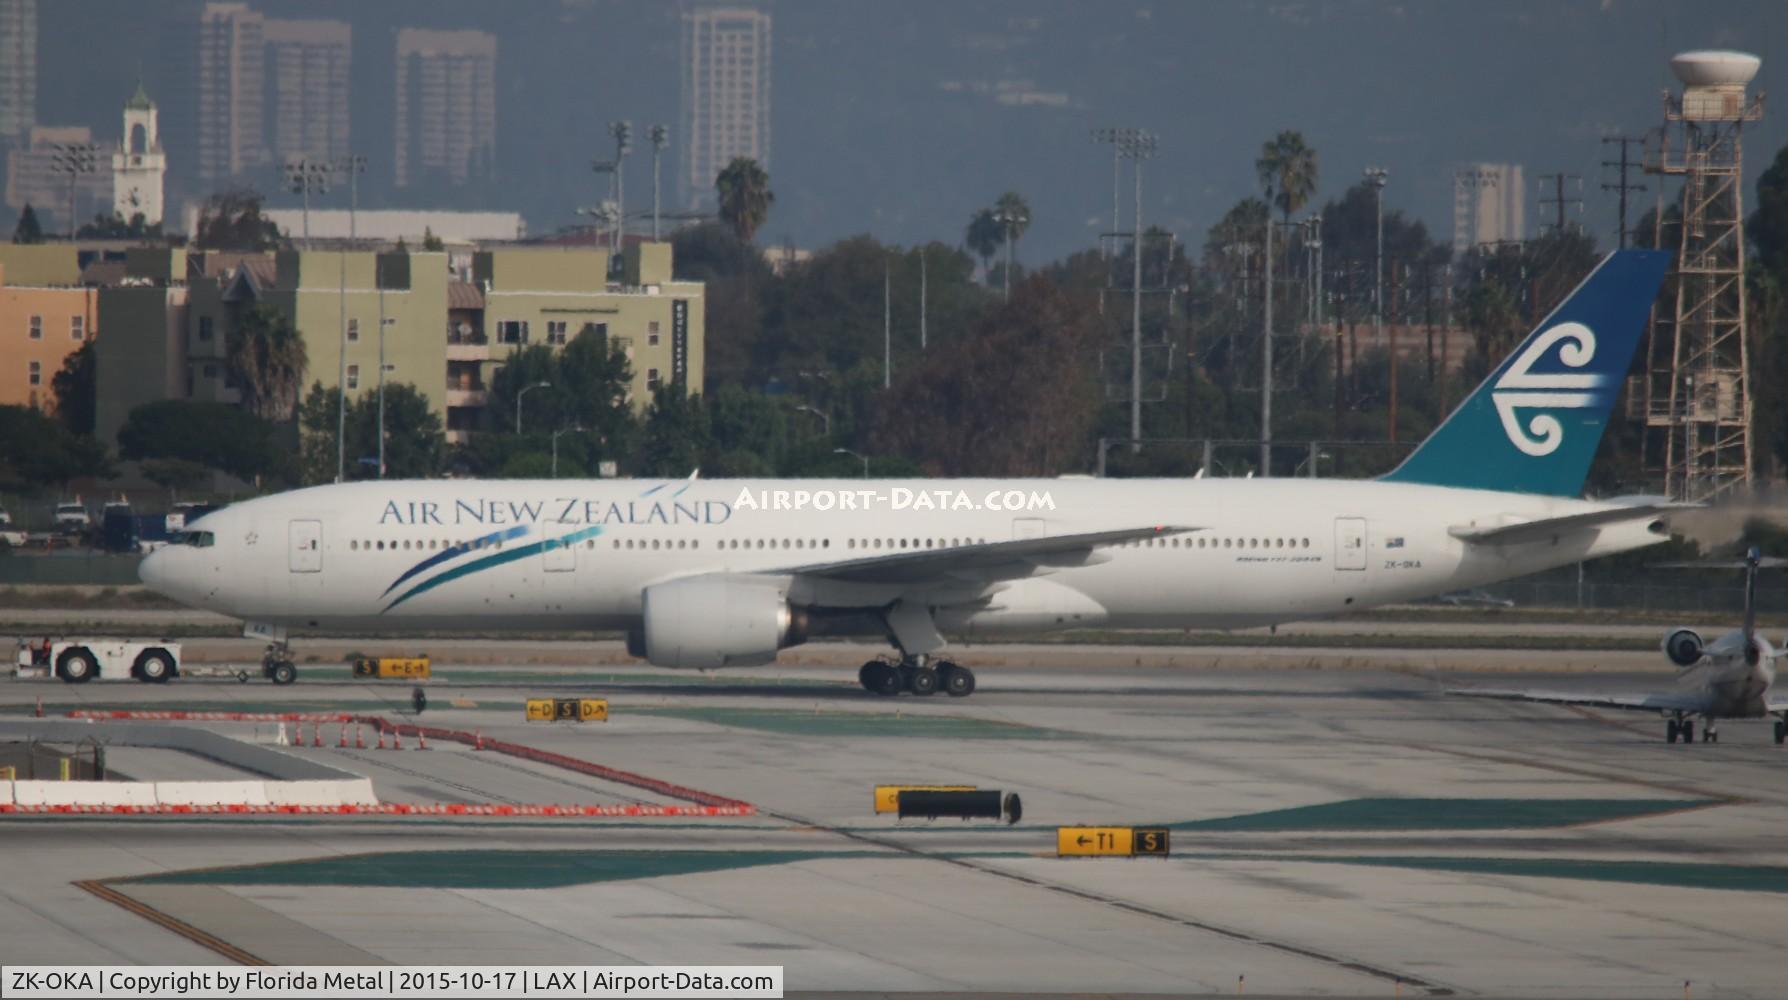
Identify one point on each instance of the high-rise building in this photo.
(18, 67)
(231, 87)
(308, 64)
(725, 93)
(139, 167)
(1489, 205)
(446, 106)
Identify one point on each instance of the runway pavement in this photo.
(1334, 832)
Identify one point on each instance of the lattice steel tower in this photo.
(1697, 401)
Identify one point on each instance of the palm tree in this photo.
(267, 359)
(983, 237)
(745, 197)
(1287, 169)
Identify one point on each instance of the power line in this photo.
(1623, 185)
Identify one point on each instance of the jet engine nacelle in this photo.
(702, 623)
(1683, 646)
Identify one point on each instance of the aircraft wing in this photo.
(1545, 528)
(984, 563)
(1661, 701)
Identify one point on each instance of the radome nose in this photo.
(153, 571)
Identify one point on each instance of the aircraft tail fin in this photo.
(1534, 424)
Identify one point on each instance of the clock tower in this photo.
(139, 167)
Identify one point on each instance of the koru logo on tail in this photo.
(1521, 388)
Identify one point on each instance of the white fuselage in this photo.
(1264, 551)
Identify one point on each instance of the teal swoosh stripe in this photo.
(454, 552)
(497, 559)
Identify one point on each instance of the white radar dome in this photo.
(1715, 67)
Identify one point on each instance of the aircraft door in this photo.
(306, 546)
(1350, 543)
(560, 556)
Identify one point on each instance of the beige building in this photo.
(45, 315)
(308, 67)
(1489, 205)
(725, 93)
(232, 76)
(444, 335)
(446, 105)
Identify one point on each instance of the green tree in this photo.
(1287, 169)
(1015, 397)
(266, 360)
(432, 243)
(415, 442)
(232, 220)
(29, 230)
(675, 434)
(37, 452)
(738, 280)
(984, 236)
(317, 428)
(216, 435)
(745, 197)
(175, 474)
(76, 395)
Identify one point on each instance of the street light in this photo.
(847, 451)
(74, 159)
(823, 415)
(304, 176)
(562, 430)
(1378, 177)
(518, 401)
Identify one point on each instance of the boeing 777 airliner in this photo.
(718, 573)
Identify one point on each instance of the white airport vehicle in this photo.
(79, 660)
(72, 516)
(157, 661)
(719, 573)
(1732, 677)
(5, 518)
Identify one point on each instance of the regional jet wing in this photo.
(1671, 701)
(1546, 528)
(986, 562)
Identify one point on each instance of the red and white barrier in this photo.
(376, 809)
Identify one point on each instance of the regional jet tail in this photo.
(717, 573)
(1731, 678)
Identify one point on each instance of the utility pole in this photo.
(660, 139)
(921, 298)
(887, 328)
(1396, 317)
(341, 396)
(1558, 200)
(1623, 185)
(1266, 354)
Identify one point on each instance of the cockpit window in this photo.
(196, 539)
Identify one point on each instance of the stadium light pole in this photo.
(1136, 145)
(623, 133)
(1378, 177)
(1114, 137)
(518, 401)
(660, 139)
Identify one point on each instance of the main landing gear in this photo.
(920, 675)
(277, 665)
(1781, 730)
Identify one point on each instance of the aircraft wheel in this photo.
(867, 674)
(283, 672)
(78, 666)
(887, 680)
(1688, 730)
(957, 681)
(1710, 736)
(1671, 729)
(923, 681)
(1781, 732)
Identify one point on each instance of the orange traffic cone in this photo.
(344, 737)
(359, 741)
(382, 739)
(421, 739)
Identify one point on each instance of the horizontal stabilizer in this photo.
(1548, 528)
(1664, 701)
